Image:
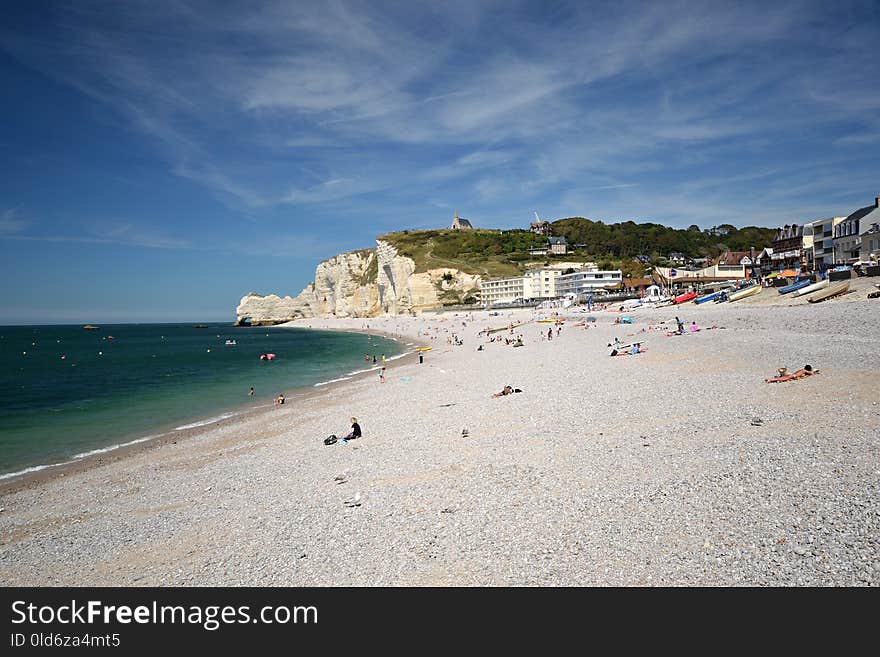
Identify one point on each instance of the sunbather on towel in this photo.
(800, 374)
(507, 390)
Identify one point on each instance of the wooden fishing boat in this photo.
(815, 287)
(828, 292)
(745, 292)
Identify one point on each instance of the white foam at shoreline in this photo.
(101, 450)
(202, 423)
(35, 468)
(324, 383)
(76, 457)
(372, 369)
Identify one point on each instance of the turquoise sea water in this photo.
(68, 391)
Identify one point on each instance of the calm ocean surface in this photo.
(68, 391)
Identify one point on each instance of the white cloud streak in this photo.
(298, 104)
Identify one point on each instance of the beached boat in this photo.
(745, 292)
(794, 286)
(815, 287)
(505, 328)
(708, 297)
(684, 298)
(828, 292)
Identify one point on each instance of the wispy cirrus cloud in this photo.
(300, 104)
(12, 222)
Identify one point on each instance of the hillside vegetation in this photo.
(489, 253)
(629, 238)
(494, 253)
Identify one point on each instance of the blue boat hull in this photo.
(708, 297)
(794, 286)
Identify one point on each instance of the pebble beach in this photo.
(678, 466)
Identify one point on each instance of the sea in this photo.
(69, 392)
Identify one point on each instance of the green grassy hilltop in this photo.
(494, 253)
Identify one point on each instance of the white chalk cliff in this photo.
(363, 283)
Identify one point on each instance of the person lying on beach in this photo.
(507, 390)
(800, 374)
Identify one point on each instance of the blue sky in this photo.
(162, 159)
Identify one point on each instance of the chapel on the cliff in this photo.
(458, 223)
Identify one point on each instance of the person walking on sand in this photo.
(549, 333)
(421, 358)
(382, 375)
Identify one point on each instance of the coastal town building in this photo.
(535, 284)
(764, 261)
(848, 234)
(586, 281)
(459, 223)
(788, 247)
(870, 250)
(732, 265)
(557, 245)
(501, 290)
(677, 258)
(541, 228)
(818, 243)
(540, 283)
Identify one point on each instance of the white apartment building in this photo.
(819, 242)
(586, 281)
(537, 284)
(540, 284)
(501, 290)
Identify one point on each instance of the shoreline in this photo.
(678, 466)
(36, 475)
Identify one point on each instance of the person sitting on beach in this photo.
(355, 430)
(800, 374)
(279, 399)
(636, 349)
(694, 327)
